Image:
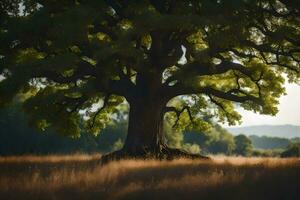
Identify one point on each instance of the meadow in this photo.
(81, 177)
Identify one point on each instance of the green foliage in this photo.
(243, 145)
(194, 56)
(192, 148)
(292, 151)
(267, 152)
(223, 144)
(215, 140)
(18, 138)
(112, 137)
(175, 137)
(265, 142)
(295, 140)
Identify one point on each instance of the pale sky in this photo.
(289, 110)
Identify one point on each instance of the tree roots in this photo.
(165, 153)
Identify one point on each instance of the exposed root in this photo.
(165, 153)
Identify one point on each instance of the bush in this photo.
(292, 151)
(267, 152)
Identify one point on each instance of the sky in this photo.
(289, 110)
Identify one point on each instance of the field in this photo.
(80, 177)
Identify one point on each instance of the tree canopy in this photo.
(79, 60)
(243, 145)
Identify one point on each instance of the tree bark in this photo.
(145, 133)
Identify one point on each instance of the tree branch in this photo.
(180, 89)
(202, 69)
(217, 103)
(179, 112)
(105, 103)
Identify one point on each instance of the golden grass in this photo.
(80, 177)
(49, 158)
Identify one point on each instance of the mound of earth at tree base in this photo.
(165, 153)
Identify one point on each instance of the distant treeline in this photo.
(17, 137)
(267, 142)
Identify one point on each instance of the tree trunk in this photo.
(145, 137)
(145, 134)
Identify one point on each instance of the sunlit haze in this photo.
(289, 110)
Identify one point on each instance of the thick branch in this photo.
(201, 69)
(180, 89)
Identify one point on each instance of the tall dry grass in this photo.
(80, 177)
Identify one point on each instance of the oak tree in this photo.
(81, 59)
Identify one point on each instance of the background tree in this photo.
(292, 151)
(215, 140)
(243, 145)
(18, 138)
(83, 59)
(223, 144)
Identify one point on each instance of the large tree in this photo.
(81, 59)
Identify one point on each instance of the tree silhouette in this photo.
(80, 60)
